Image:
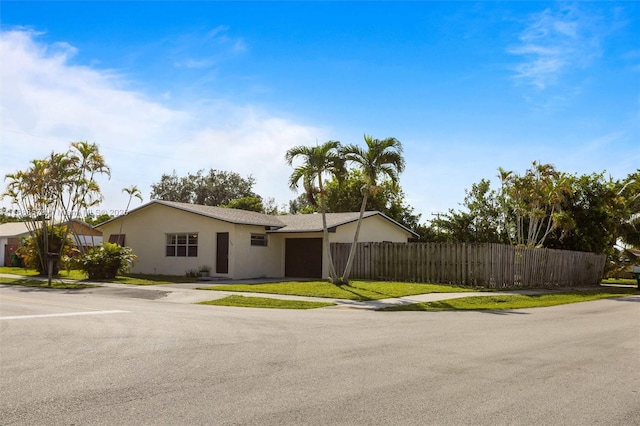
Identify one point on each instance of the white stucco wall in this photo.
(373, 229)
(145, 232)
(146, 229)
(255, 261)
(3, 243)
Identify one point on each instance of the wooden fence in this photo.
(475, 265)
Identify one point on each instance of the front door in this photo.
(222, 252)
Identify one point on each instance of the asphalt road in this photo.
(106, 357)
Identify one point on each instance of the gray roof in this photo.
(313, 222)
(242, 217)
(279, 224)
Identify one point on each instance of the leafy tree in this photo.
(92, 219)
(537, 198)
(317, 161)
(253, 204)
(582, 213)
(481, 221)
(346, 196)
(57, 189)
(269, 206)
(629, 196)
(301, 204)
(7, 215)
(379, 158)
(591, 207)
(211, 189)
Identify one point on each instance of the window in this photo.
(182, 245)
(117, 239)
(259, 240)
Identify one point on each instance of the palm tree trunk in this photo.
(120, 239)
(333, 276)
(352, 251)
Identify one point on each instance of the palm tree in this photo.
(133, 191)
(87, 161)
(78, 169)
(325, 159)
(380, 158)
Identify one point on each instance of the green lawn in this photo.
(516, 301)
(356, 290)
(265, 302)
(74, 274)
(29, 282)
(18, 271)
(623, 281)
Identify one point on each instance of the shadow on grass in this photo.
(500, 312)
(31, 285)
(355, 292)
(447, 306)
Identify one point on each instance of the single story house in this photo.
(11, 234)
(173, 238)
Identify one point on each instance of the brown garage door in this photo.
(303, 257)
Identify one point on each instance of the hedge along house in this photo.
(173, 238)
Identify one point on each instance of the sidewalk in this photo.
(187, 293)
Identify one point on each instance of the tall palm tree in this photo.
(380, 158)
(317, 161)
(78, 171)
(133, 191)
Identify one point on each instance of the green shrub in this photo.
(106, 261)
(34, 254)
(192, 273)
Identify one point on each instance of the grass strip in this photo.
(265, 302)
(515, 301)
(356, 290)
(623, 281)
(75, 274)
(57, 284)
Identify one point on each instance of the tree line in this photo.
(544, 207)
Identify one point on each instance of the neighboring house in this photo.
(83, 234)
(12, 233)
(173, 238)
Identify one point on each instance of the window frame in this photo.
(259, 240)
(181, 244)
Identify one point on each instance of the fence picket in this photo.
(475, 265)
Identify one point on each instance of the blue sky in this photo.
(467, 87)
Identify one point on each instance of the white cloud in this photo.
(195, 63)
(554, 42)
(46, 102)
(205, 50)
